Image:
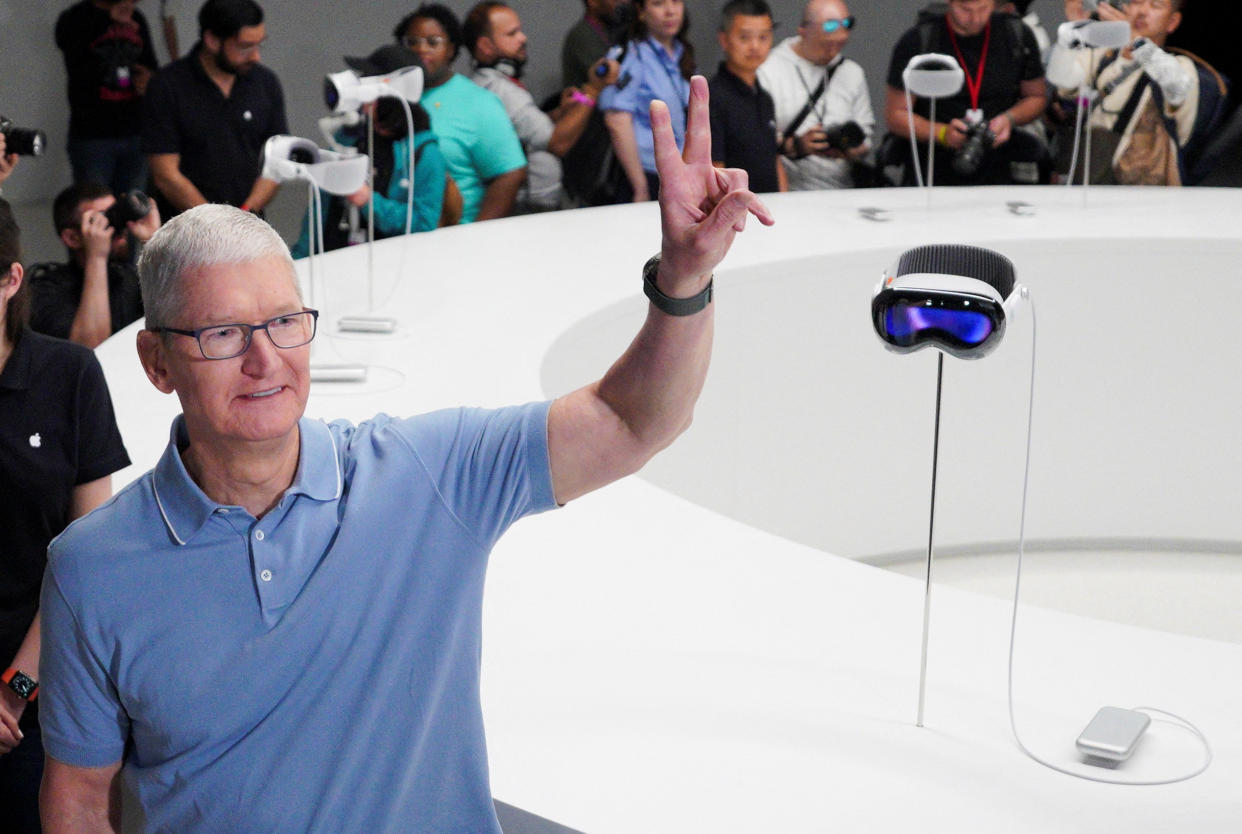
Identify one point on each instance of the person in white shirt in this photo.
(816, 89)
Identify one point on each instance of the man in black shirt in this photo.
(1004, 89)
(95, 293)
(743, 115)
(109, 60)
(207, 116)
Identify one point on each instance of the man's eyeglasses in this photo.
(834, 24)
(435, 42)
(224, 341)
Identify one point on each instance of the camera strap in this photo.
(973, 85)
(812, 97)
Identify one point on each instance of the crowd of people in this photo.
(793, 116)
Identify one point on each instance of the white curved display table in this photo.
(657, 662)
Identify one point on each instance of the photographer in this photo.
(817, 90)
(976, 143)
(1149, 98)
(95, 293)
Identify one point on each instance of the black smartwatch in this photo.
(26, 687)
(673, 306)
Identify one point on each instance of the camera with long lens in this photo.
(979, 140)
(844, 137)
(23, 141)
(129, 207)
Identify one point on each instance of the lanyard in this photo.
(973, 85)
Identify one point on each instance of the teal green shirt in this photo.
(476, 137)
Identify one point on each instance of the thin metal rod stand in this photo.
(931, 537)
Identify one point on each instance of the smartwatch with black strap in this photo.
(667, 304)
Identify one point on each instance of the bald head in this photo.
(815, 42)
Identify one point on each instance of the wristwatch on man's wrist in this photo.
(666, 304)
(26, 687)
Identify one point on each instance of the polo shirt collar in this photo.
(16, 373)
(186, 509)
(663, 53)
(737, 81)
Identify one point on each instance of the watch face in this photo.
(23, 685)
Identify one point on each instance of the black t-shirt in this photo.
(58, 431)
(101, 57)
(744, 129)
(220, 140)
(1013, 57)
(56, 292)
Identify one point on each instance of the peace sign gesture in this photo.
(702, 207)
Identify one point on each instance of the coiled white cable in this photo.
(1169, 717)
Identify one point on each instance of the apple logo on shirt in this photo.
(35, 441)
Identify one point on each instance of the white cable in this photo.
(1077, 136)
(914, 143)
(1013, 625)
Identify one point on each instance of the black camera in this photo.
(23, 141)
(130, 206)
(844, 137)
(979, 140)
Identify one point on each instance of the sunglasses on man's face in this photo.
(834, 24)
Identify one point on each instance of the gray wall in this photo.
(306, 39)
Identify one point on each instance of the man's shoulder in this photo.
(782, 60)
(122, 531)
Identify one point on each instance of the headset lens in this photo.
(908, 324)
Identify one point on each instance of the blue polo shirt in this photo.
(313, 670)
(648, 73)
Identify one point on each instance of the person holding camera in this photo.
(95, 293)
(1149, 98)
(823, 110)
(59, 445)
(974, 129)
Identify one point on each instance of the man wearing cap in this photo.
(278, 628)
(345, 219)
(207, 116)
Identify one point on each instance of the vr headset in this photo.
(293, 158)
(953, 297)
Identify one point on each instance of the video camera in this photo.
(23, 141)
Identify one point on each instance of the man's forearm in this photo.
(80, 800)
(261, 193)
(1027, 110)
(571, 121)
(500, 195)
(174, 185)
(92, 323)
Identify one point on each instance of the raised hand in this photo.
(702, 207)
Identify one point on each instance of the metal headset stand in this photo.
(931, 537)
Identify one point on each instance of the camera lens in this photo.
(130, 206)
(23, 141)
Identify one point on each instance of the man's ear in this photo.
(152, 354)
(72, 238)
(1175, 20)
(211, 42)
(724, 43)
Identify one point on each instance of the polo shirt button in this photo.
(258, 535)
(266, 576)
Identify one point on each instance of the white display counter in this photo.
(692, 650)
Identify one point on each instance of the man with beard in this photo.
(207, 115)
(494, 36)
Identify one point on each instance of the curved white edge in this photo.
(652, 666)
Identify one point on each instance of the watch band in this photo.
(673, 306)
(26, 687)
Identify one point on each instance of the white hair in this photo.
(203, 236)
